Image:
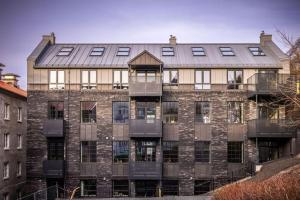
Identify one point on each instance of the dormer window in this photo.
(65, 51)
(198, 51)
(168, 51)
(256, 51)
(97, 51)
(123, 51)
(227, 51)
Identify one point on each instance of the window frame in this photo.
(167, 51)
(6, 143)
(202, 84)
(259, 51)
(83, 185)
(64, 52)
(241, 118)
(169, 188)
(169, 72)
(57, 115)
(121, 85)
(57, 85)
(94, 52)
(19, 141)
(202, 154)
(124, 120)
(167, 149)
(6, 111)
(88, 85)
(19, 169)
(6, 170)
(91, 151)
(226, 51)
(90, 115)
(55, 149)
(238, 157)
(118, 160)
(122, 192)
(198, 51)
(168, 118)
(6, 196)
(235, 85)
(120, 52)
(199, 119)
(19, 114)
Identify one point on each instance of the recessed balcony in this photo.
(145, 128)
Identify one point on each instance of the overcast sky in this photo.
(23, 22)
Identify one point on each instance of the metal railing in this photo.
(145, 170)
(145, 128)
(139, 86)
(270, 128)
(53, 128)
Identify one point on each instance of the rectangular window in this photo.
(120, 188)
(120, 151)
(6, 140)
(235, 79)
(120, 112)
(19, 138)
(97, 51)
(235, 112)
(88, 151)
(202, 186)
(202, 112)
(57, 80)
(55, 149)
(145, 76)
(202, 151)
(170, 151)
(170, 112)
(235, 152)
(6, 196)
(227, 51)
(6, 170)
(88, 112)
(123, 51)
(88, 188)
(56, 110)
(88, 80)
(19, 114)
(170, 77)
(6, 111)
(120, 79)
(202, 79)
(256, 51)
(170, 188)
(65, 51)
(145, 150)
(19, 168)
(198, 51)
(168, 51)
(145, 110)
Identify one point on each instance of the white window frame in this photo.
(6, 170)
(167, 76)
(20, 114)
(19, 140)
(19, 168)
(202, 84)
(56, 84)
(88, 85)
(123, 76)
(6, 138)
(6, 111)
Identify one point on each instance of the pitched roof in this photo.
(80, 56)
(12, 89)
(145, 58)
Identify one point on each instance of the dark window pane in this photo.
(56, 110)
(202, 112)
(202, 186)
(88, 151)
(235, 112)
(235, 152)
(170, 112)
(202, 151)
(170, 151)
(120, 188)
(120, 112)
(120, 151)
(145, 150)
(88, 112)
(234, 79)
(89, 187)
(170, 188)
(55, 149)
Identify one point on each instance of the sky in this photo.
(23, 22)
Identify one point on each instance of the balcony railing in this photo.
(53, 128)
(145, 170)
(268, 83)
(270, 128)
(139, 86)
(54, 168)
(145, 128)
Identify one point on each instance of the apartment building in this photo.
(153, 119)
(13, 130)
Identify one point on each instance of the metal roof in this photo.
(80, 56)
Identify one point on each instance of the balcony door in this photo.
(146, 111)
(145, 151)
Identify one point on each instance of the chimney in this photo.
(1, 66)
(265, 38)
(172, 40)
(50, 38)
(11, 79)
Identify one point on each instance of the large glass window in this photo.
(234, 79)
(88, 112)
(120, 79)
(170, 112)
(55, 149)
(168, 51)
(120, 188)
(146, 76)
(56, 110)
(202, 151)
(88, 151)
(120, 151)
(202, 186)
(170, 188)
(88, 187)
(202, 79)
(57, 80)
(235, 112)
(170, 76)
(235, 152)
(120, 112)
(145, 110)
(202, 112)
(170, 151)
(88, 80)
(145, 150)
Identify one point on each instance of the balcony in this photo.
(138, 86)
(270, 128)
(268, 83)
(145, 128)
(53, 128)
(54, 168)
(145, 170)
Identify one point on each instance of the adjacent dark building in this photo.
(153, 119)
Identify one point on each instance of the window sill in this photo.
(6, 119)
(5, 178)
(19, 121)
(19, 148)
(6, 149)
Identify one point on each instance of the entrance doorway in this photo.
(146, 188)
